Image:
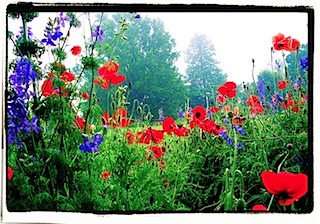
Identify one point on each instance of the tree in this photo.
(293, 62)
(203, 73)
(146, 58)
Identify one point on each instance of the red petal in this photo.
(10, 173)
(259, 207)
(111, 66)
(117, 79)
(296, 185)
(273, 183)
(168, 124)
(76, 50)
(199, 113)
(230, 85)
(46, 88)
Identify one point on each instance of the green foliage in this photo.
(203, 74)
(147, 59)
(294, 69)
(200, 172)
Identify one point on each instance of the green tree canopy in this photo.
(146, 58)
(293, 62)
(203, 73)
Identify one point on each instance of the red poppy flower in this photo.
(101, 82)
(199, 113)
(105, 118)
(214, 109)
(252, 100)
(287, 187)
(211, 127)
(120, 118)
(108, 72)
(106, 175)
(280, 42)
(288, 102)
(10, 173)
(166, 184)
(130, 137)
(150, 135)
(282, 84)
(257, 109)
(221, 99)
(181, 131)
(295, 108)
(238, 119)
(46, 88)
(76, 50)
(259, 208)
(228, 89)
(168, 125)
(85, 95)
(157, 151)
(67, 76)
(80, 123)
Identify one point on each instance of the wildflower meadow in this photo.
(82, 138)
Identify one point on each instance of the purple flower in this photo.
(29, 33)
(61, 19)
(19, 94)
(180, 114)
(98, 33)
(225, 121)
(52, 35)
(240, 146)
(229, 141)
(93, 146)
(224, 134)
(160, 119)
(304, 62)
(261, 91)
(239, 129)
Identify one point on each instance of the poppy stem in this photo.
(279, 167)
(270, 202)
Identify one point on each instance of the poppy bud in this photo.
(149, 116)
(113, 105)
(139, 109)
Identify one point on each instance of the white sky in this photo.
(237, 37)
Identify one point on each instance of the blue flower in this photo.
(137, 16)
(29, 33)
(52, 35)
(304, 62)
(224, 134)
(225, 122)
(239, 129)
(19, 94)
(93, 146)
(240, 146)
(98, 33)
(180, 113)
(61, 18)
(261, 91)
(229, 141)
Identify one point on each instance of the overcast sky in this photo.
(237, 37)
